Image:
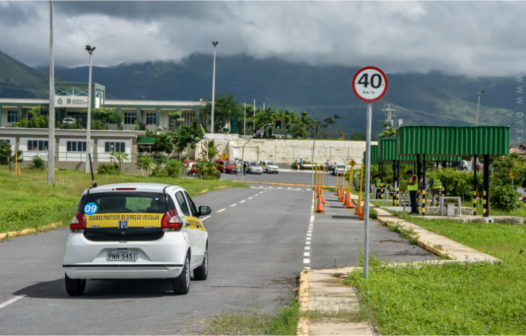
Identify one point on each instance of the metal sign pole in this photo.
(367, 189)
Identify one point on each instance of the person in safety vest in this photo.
(378, 185)
(436, 187)
(412, 187)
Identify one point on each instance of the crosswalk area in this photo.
(282, 188)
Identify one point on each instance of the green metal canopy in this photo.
(387, 153)
(146, 141)
(374, 155)
(453, 140)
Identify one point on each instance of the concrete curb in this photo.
(28, 231)
(303, 299)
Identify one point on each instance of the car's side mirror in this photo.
(204, 210)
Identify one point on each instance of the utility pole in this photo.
(213, 88)
(245, 120)
(388, 110)
(478, 106)
(88, 126)
(254, 122)
(51, 136)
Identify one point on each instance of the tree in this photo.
(145, 163)
(225, 109)
(119, 157)
(164, 141)
(388, 131)
(35, 119)
(187, 137)
(213, 149)
(7, 157)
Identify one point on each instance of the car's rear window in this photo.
(128, 202)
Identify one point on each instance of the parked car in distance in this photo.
(253, 167)
(191, 169)
(339, 170)
(269, 167)
(68, 121)
(223, 165)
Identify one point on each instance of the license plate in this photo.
(123, 224)
(121, 255)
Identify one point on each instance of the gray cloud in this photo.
(473, 38)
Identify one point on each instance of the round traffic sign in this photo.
(370, 84)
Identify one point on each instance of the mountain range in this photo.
(419, 99)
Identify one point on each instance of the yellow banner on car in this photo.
(124, 220)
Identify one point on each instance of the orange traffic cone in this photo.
(343, 196)
(349, 204)
(319, 208)
(18, 171)
(358, 209)
(338, 192)
(361, 216)
(322, 199)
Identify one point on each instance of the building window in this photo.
(12, 116)
(130, 118)
(110, 147)
(37, 145)
(6, 140)
(76, 146)
(151, 118)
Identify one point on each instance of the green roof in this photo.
(145, 141)
(387, 153)
(453, 140)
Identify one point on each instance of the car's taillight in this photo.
(171, 221)
(78, 222)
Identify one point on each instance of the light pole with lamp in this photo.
(213, 87)
(245, 120)
(51, 136)
(243, 154)
(88, 126)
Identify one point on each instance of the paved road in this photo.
(257, 248)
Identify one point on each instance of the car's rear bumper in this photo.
(161, 258)
(122, 271)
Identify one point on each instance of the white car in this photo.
(339, 169)
(136, 231)
(253, 167)
(69, 121)
(269, 167)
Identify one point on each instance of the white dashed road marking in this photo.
(13, 300)
(242, 201)
(233, 204)
(306, 254)
(202, 219)
(221, 210)
(306, 261)
(250, 198)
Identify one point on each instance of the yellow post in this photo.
(16, 163)
(343, 181)
(314, 190)
(361, 187)
(336, 186)
(349, 187)
(322, 180)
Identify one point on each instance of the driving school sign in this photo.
(370, 84)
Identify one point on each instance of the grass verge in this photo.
(258, 321)
(27, 201)
(453, 298)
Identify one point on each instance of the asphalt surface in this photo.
(257, 248)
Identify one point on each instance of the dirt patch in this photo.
(411, 253)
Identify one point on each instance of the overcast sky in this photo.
(472, 38)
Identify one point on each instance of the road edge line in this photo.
(28, 231)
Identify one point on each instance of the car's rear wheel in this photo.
(201, 273)
(75, 287)
(181, 284)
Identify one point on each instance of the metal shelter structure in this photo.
(454, 141)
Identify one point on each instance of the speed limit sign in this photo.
(370, 84)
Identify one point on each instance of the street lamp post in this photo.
(478, 106)
(243, 154)
(88, 126)
(245, 120)
(213, 87)
(51, 136)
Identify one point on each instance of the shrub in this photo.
(207, 170)
(504, 198)
(109, 169)
(38, 163)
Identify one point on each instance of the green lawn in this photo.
(27, 201)
(456, 298)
